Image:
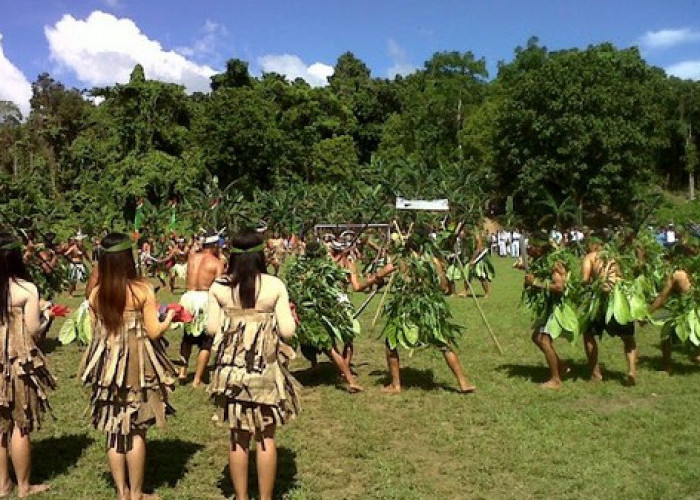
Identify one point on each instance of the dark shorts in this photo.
(203, 341)
(613, 328)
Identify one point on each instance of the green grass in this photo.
(510, 440)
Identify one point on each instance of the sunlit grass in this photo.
(510, 440)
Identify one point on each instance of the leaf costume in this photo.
(316, 287)
(25, 377)
(555, 314)
(78, 326)
(464, 251)
(250, 383)
(683, 325)
(610, 305)
(417, 311)
(131, 379)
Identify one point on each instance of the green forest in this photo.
(593, 135)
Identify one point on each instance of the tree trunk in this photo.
(691, 185)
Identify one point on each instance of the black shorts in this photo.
(613, 328)
(203, 341)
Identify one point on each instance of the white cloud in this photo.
(664, 39)
(207, 45)
(14, 86)
(688, 70)
(293, 67)
(401, 65)
(103, 50)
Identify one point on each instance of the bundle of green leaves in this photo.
(315, 285)
(623, 299)
(684, 321)
(77, 327)
(558, 313)
(417, 312)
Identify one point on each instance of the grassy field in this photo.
(510, 440)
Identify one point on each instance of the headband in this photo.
(255, 249)
(13, 245)
(119, 247)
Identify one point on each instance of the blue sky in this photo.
(95, 42)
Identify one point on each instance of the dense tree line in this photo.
(598, 129)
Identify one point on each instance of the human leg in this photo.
(344, 369)
(117, 466)
(202, 362)
(5, 480)
(136, 466)
(21, 453)
(486, 286)
(630, 346)
(394, 364)
(456, 367)
(348, 353)
(238, 462)
(544, 342)
(591, 347)
(185, 351)
(666, 355)
(266, 458)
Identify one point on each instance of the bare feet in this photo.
(391, 389)
(196, 383)
(33, 489)
(125, 495)
(354, 388)
(631, 380)
(469, 389)
(146, 496)
(7, 490)
(551, 384)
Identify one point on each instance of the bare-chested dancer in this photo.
(275, 252)
(595, 267)
(203, 268)
(540, 336)
(76, 255)
(177, 257)
(678, 283)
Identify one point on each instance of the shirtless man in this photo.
(595, 267)
(275, 252)
(679, 283)
(540, 336)
(76, 255)
(203, 268)
(177, 255)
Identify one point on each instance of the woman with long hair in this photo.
(249, 314)
(126, 364)
(25, 378)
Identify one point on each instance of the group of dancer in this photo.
(127, 368)
(251, 322)
(612, 287)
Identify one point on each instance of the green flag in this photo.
(138, 216)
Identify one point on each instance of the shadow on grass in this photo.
(540, 373)
(285, 481)
(677, 367)
(48, 345)
(53, 456)
(413, 378)
(324, 374)
(166, 461)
